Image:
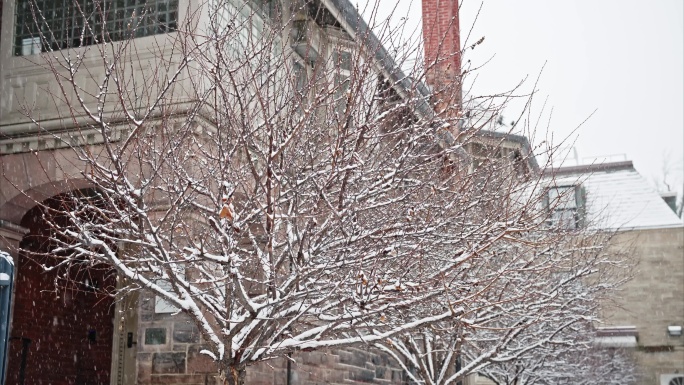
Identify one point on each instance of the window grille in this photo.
(45, 25)
(566, 206)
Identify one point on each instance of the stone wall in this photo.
(653, 364)
(168, 348)
(339, 366)
(654, 299)
(169, 345)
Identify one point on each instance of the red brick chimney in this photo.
(442, 41)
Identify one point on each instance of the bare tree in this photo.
(553, 280)
(670, 177)
(287, 195)
(572, 359)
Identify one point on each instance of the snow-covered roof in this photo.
(618, 197)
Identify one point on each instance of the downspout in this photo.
(289, 368)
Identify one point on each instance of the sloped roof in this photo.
(352, 22)
(618, 197)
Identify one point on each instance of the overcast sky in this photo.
(623, 59)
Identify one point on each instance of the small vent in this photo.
(671, 379)
(670, 197)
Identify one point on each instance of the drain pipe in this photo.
(289, 368)
(25, 342)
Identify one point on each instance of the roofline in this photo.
(639, 228)
(522, 140)
(589, 168)
(354, 24)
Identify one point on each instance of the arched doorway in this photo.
(62, 323)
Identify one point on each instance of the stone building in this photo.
(84, 337)
(81, 336)
(648, 315)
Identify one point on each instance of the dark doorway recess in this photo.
(63, 318)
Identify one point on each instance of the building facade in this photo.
(648, 313)
(76, 335)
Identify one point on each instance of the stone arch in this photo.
(28, 178)
(15, 209)
(63, 319)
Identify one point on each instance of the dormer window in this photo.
(48, 25)
(566, 206)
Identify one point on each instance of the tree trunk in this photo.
(235, 375)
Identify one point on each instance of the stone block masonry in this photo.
(653, 299)
(169, 346)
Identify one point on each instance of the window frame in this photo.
(341, 76)
(302, 74)
(67, 28)
(555, 205)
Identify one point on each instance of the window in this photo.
(343, 60)
(301, 86)
(76, 23)
(267, 7)
(616, 337)
(483, 154)
(301, 78)
(341, 89)
(566, 206)
(160, 304)
(342, 64)
(244, 27)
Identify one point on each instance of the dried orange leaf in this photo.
(226, 213)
